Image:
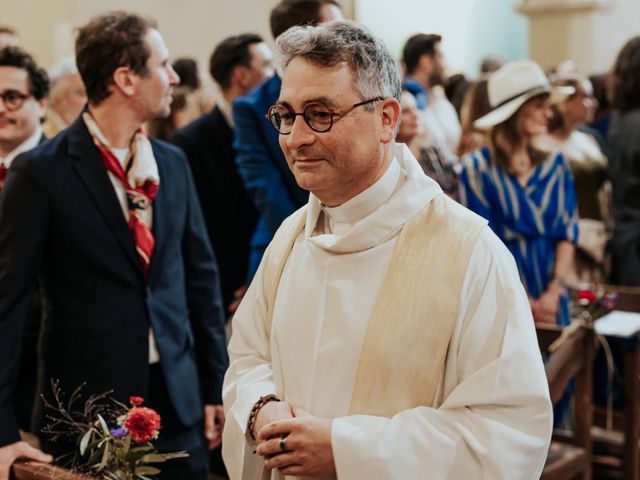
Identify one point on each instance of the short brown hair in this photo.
(38, 78)
(418, 45)
(108, 42)
(292, 13)
(229, 53)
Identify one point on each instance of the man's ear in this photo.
(390, 117)
(240, 76)
(426, 64)
(125, 80)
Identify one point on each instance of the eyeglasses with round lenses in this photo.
(318, 116)
(13, 100)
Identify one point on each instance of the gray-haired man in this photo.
(386, 331)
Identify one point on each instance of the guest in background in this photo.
(455, 88)
(491, 63)
(624, 164)
(475, 105)
(110, 222)
(424, 64)
(589, 166)
(527, 195)
(237, 64)
(164, 128)
(187, 70)
(67, 98)
(199, 98)
(430, 158)
(602, 117)
(24, 87)
(260, 160)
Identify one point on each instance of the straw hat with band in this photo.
(511, 86)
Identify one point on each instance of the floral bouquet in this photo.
(114, 440)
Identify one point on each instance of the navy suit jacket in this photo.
(228, 210)
(262, 164)
(60, 217)
(25, 390)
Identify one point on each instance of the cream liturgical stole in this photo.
(402, 360)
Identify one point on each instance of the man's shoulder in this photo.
(490, 253)
(455, 217)
(46, 154)
(163, 149)
(168, 156)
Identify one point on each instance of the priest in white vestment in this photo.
(386, 334)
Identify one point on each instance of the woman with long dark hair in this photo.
(624, 164)
(527, 194)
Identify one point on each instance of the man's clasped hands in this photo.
(294, 441)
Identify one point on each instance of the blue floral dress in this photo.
(530, 220)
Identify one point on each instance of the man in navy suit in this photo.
(111, 223)
(24, 88)
(260, 160)
(237, 64)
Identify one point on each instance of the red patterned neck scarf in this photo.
(3, 174)
(140, 182)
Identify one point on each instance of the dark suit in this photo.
(262, 165)
(59, 215)
(228, 210)
(25, 390)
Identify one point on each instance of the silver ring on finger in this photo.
(283, 445)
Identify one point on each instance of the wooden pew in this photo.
(616, 453)
(570, 357)
(42, 471)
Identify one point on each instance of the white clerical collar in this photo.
(403, 191)
(225, 109)
(367, 201)
(28, 144)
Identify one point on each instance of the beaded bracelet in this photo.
(256, 408)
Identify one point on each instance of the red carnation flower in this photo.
(143, 424)
(587, 295)
(136, 401)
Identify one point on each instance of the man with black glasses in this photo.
(386, 330)
(23, 89)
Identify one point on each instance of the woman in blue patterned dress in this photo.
(527, 195)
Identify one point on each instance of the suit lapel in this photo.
(88, 164)
(159, 207)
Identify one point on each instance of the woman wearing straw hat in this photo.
(527, 195)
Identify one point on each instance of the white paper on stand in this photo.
(618, 324)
